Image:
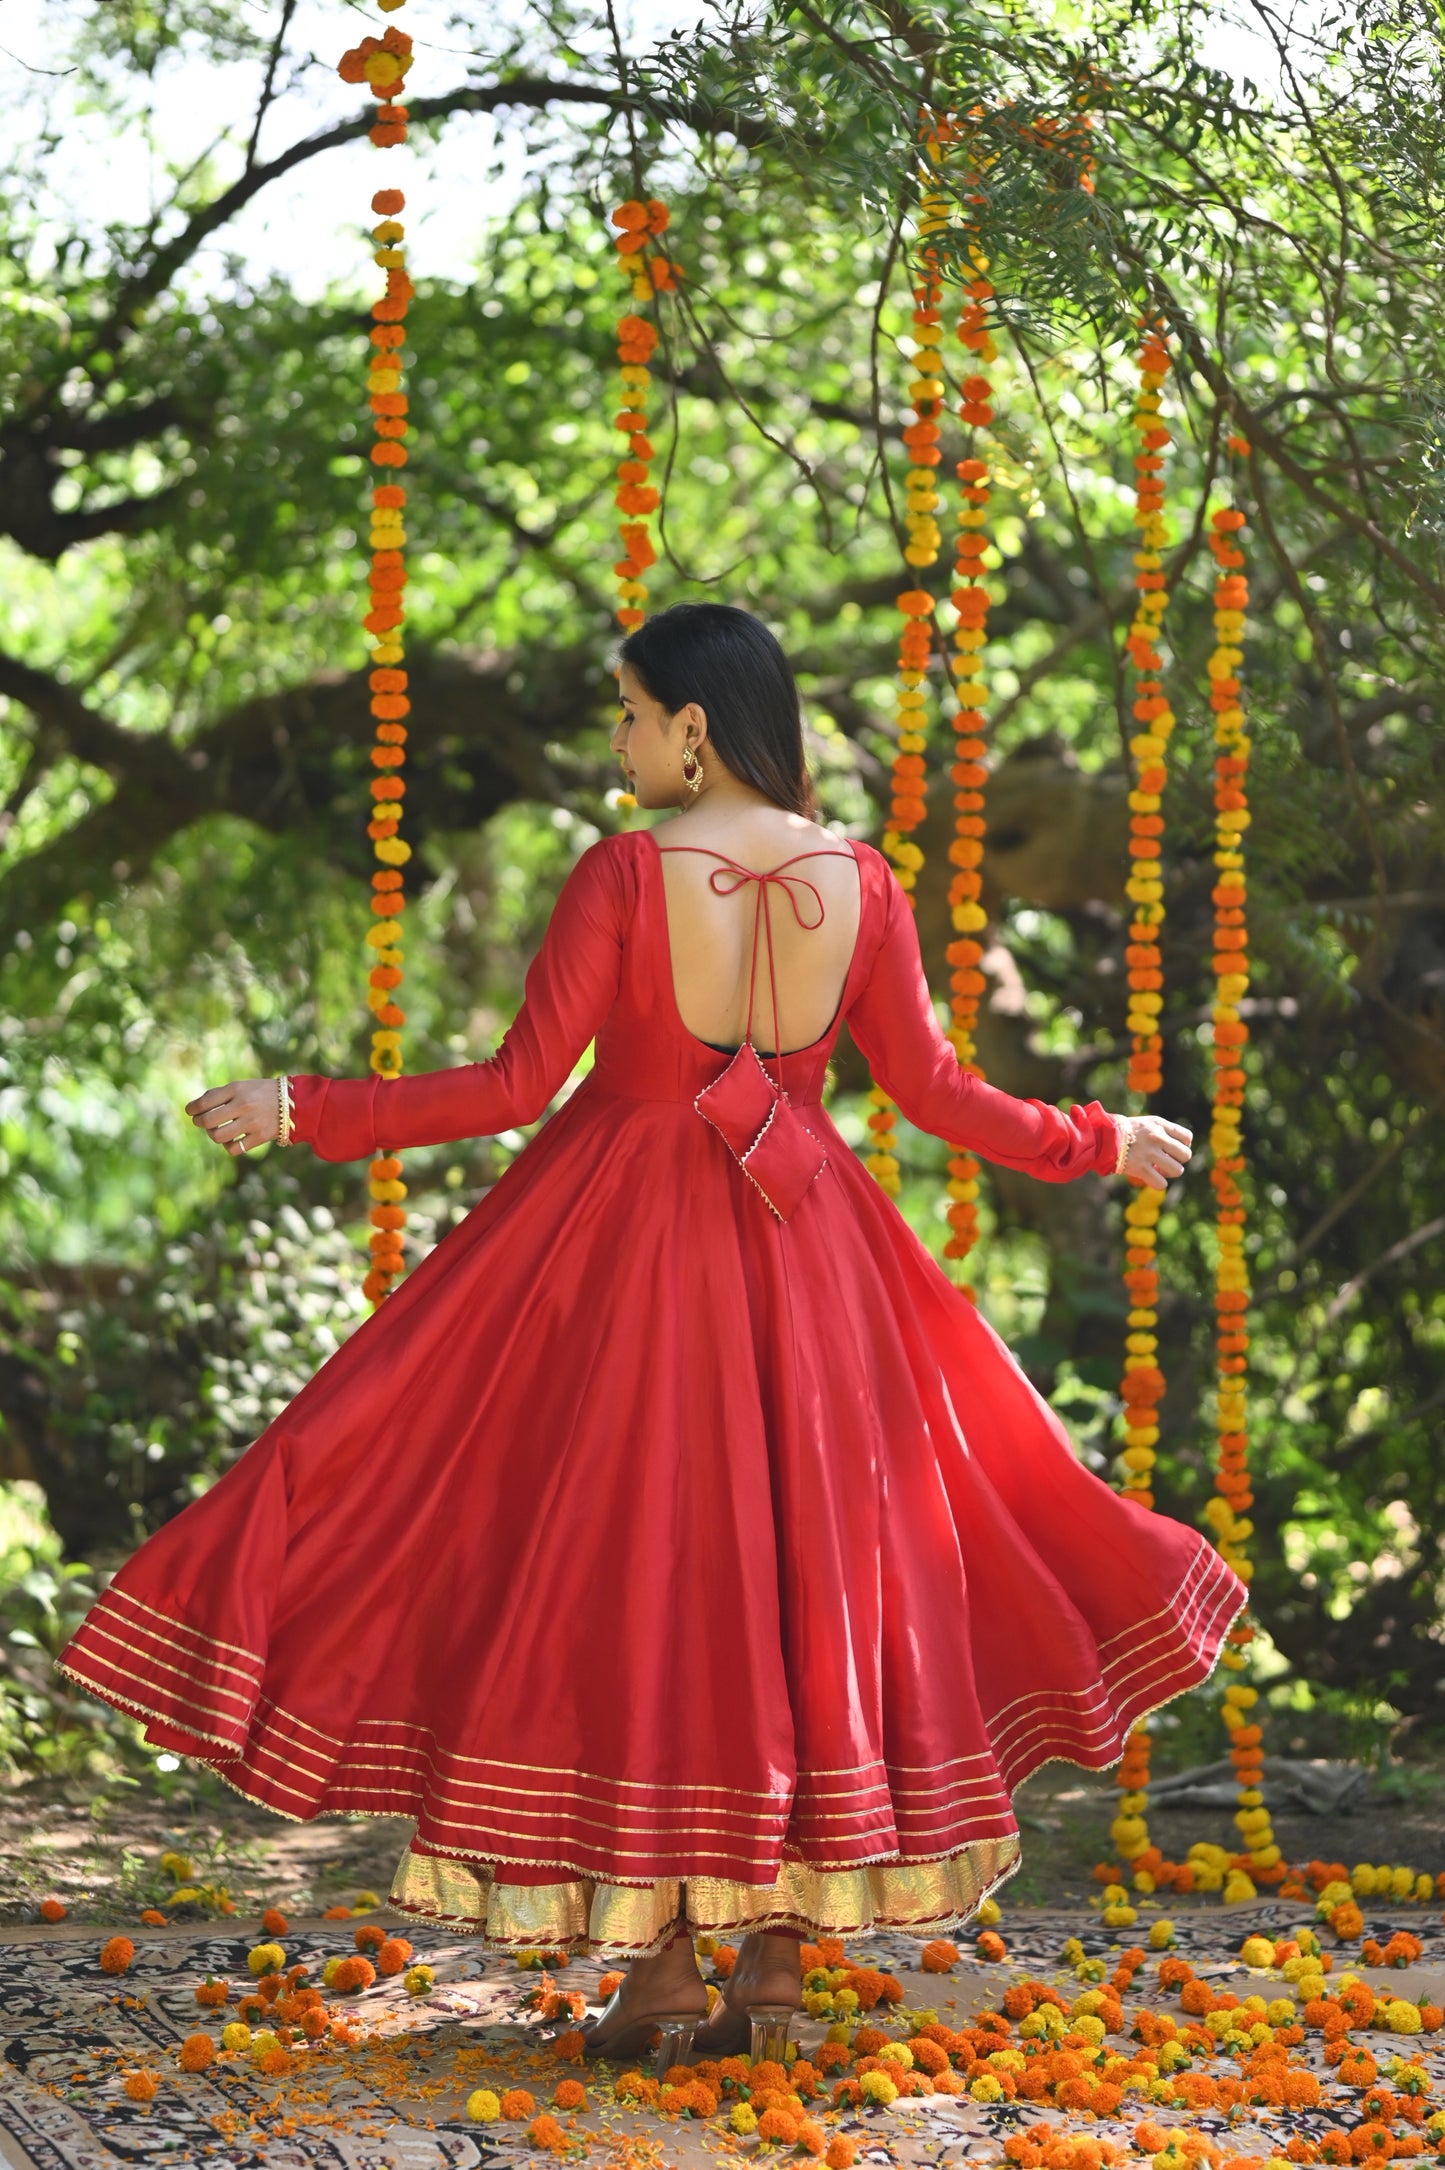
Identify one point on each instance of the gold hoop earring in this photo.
(692, 777)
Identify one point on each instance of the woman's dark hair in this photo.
(729, 663)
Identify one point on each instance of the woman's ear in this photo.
(694, 724)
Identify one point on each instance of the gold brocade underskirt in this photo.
(628, 1921)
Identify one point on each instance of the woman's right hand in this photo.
(244, 1113)
(1158, 1151)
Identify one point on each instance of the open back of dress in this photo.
(741, 966)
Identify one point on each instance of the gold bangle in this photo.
(283, 1111)
(1128, 1127)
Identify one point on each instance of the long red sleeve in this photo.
(894, 1024)
(570, 986)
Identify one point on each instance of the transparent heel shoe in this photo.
(675, 2031)
(770, 2024)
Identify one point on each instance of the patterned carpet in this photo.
(397, 2094)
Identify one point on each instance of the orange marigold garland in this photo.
(1142, 1387)
(925, 541)
(970, 599)
(1228, 1511)
(382, 63)
(649, 272)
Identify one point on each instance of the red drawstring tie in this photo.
(762, 914)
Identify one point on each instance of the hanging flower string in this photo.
(1143, 1382)
(1228, 1511)
(925, 541)
(1142, 1387)
(649, 272)
(382, 63)
(971, 600)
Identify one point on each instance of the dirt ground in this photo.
(98, 1848)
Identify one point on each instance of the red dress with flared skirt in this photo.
(655, 1552)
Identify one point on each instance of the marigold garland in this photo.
(649, 271)
(1227, 1512)
(382, 63)
(1142, 1386)
(907, 806)
(970, 599)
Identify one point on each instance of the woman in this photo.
(678, 1546)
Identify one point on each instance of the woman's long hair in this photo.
(729, 663)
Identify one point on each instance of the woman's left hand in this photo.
(244, 1113)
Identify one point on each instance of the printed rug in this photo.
(396, 2095)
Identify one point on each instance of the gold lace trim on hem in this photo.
(587, 1915)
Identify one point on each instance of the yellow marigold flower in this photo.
(483, 2106)
(266, 1958)
(236, 2035)
(988, 2087)
(744, 2119)
(418, 1980)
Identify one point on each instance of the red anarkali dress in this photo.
(653, 1552)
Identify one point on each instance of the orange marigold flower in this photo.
(353, 1974)
(197, 2051)
(570, 2095)
(116, 1955)
(842, 2153)
(274, 1922)
(392, 1955)
(52, 1910)
(212, 1992)
(780, 2125)
(544, 2131)
(517, 2103)
(938, 1956)
(274, 2061)
(141, 2086)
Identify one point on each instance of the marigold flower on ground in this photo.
(213, 1993)
(369, 1937)
(337, 1913)
(938, 1957)
(141, 2086)
(116, 1955)
(392, 1955)
(266, 1959)
(153, 1917)
(842, 2153)
(52, 1910)
(570, 2095)
(483, 2106)
(353, 1975)
(197, 2051)
(274, 1922)
(517, 2103)
(544, 2131)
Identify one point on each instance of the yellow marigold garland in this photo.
(382, 63)
(925, 540)
(970, 599)
(1228, 1511)
(1142, 1386)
